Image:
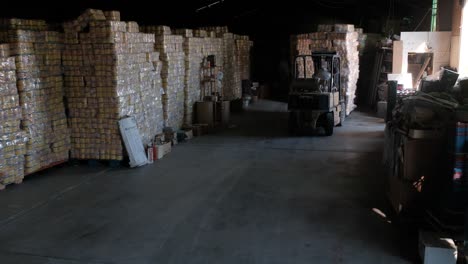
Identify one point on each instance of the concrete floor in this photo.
(249, 194)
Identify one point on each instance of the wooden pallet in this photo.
(48, 167)
(17, 181)
(96, 163)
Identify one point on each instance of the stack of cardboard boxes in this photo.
(170, 48)
(110, 73)
(213, 46)
(230, 64)
(38, 60)
(243, 46)
(229, 60)
(193, 48)
(12, 138)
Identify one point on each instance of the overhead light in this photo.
(208, 6)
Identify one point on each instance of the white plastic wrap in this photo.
(172, 56)
(193, 60)
(110, 73)
(38, 76)
(12, 138)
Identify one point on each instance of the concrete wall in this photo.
(439, 43)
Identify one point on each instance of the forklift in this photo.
(315, 95)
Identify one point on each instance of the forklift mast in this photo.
(309, 67)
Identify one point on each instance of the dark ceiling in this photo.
(269, 24)
(225, 12)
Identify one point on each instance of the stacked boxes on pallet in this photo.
(172, 55)
(110, 72)
(184, 32)
(236, 61)
(230, 90)
(40, 84)
(342, 39)
(243, 46)
(193, 48)
(229, 60)
(213, 46)
(12, 139)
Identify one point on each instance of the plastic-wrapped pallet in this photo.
(219, 31)
(342, 39)
(193, 48)
(236, 89)
(112, 15)
(170, 48)
(346, 45)
(243, 46)
(214, 46)
(200, 33)
(187, 33)
(232, 79)
(111, 72)
(40, 84)
(157, 30)
(23, 24)
(229, 68)
(12, 138)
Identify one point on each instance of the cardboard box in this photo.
(166, 148)
(422, 158)
(436, 250)
(158, 152)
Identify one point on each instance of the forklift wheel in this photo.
(329, 125)
(342, 118)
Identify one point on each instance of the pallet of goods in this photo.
(193, 48)
(229, 61)
(111, 72)
(213, 46)
(243, 47)
(229, 81)
(170, 48)
(37, 54)
(12, 138)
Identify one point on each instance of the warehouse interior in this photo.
(220, 131)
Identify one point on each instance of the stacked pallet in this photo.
(12, 138)
(193, 48)
(109, 74)
(157, 30)
(228, 58)
(214, 46)
(243, 46)
(37, 55)
(229, 68)
(343, 40)
(172, 56)
(218, 31)
(186, 33)
(232, 81)
(200, 33)
(151, 95)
